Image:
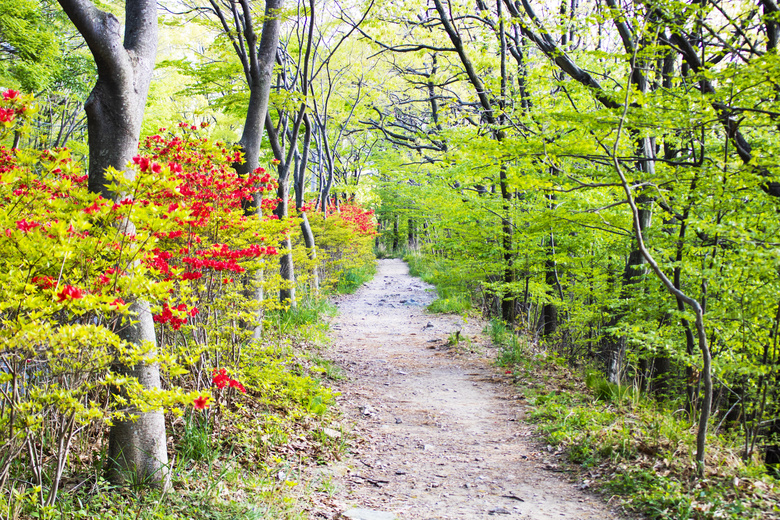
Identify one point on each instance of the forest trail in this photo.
(442, 436)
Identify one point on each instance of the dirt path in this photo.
(443, 437)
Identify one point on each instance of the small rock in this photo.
(330, 432)
(499, 511)
(368, 514)
(398, 420)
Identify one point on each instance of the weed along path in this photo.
(439, 435)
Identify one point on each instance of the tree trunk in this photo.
(550, 310)
(311, 250)
(137, 448)
(115, 108)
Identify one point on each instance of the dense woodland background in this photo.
(597, 177)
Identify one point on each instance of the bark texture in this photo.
(115, 108)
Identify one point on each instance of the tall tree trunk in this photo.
(550, 310)
(395, 234)
(258, 63)
(115, 109)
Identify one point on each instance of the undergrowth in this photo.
(351, 279)
(632, 447)
(453, 295)
(247, 458)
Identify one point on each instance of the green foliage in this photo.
(453, 296)
(352, 279)
(604, 390)
(344, 241)
(513, 349)
(642, 452)
(30, 49)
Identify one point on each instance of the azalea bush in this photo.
(213, 256)
(69, 273)
(344, 244)
(184, 233)
(72, 265)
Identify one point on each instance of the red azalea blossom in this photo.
(116, 303)
(201, 403)
(235, 384)
(220, 378)
(44, 282)
(93, 208)
(7, 114)
(10, 94)
(25, 226)
(69, 292)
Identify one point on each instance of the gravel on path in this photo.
(443, 436)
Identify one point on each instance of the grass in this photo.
(634, 448)
(351, 279)
(453, 295)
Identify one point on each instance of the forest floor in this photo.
(439, 431)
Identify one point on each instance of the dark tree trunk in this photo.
(258, 70)
(258, 64)
(115, 108)
(550, 310)
(395, 234)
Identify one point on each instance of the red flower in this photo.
(220, 378)
(7, 114)
(94, 208)
(25, 226)
(10, 94)
(235, 384)
(44, 282)
(116, 303)
(201, 402)
(69, 293)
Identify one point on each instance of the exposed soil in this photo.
(442, 434)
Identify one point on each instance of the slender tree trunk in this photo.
(311, 250)
(550, 310)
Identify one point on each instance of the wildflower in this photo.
(44, 282)
(25, 226)
(69, 293)
(220, 378)
(235, 384)
(201, 403)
